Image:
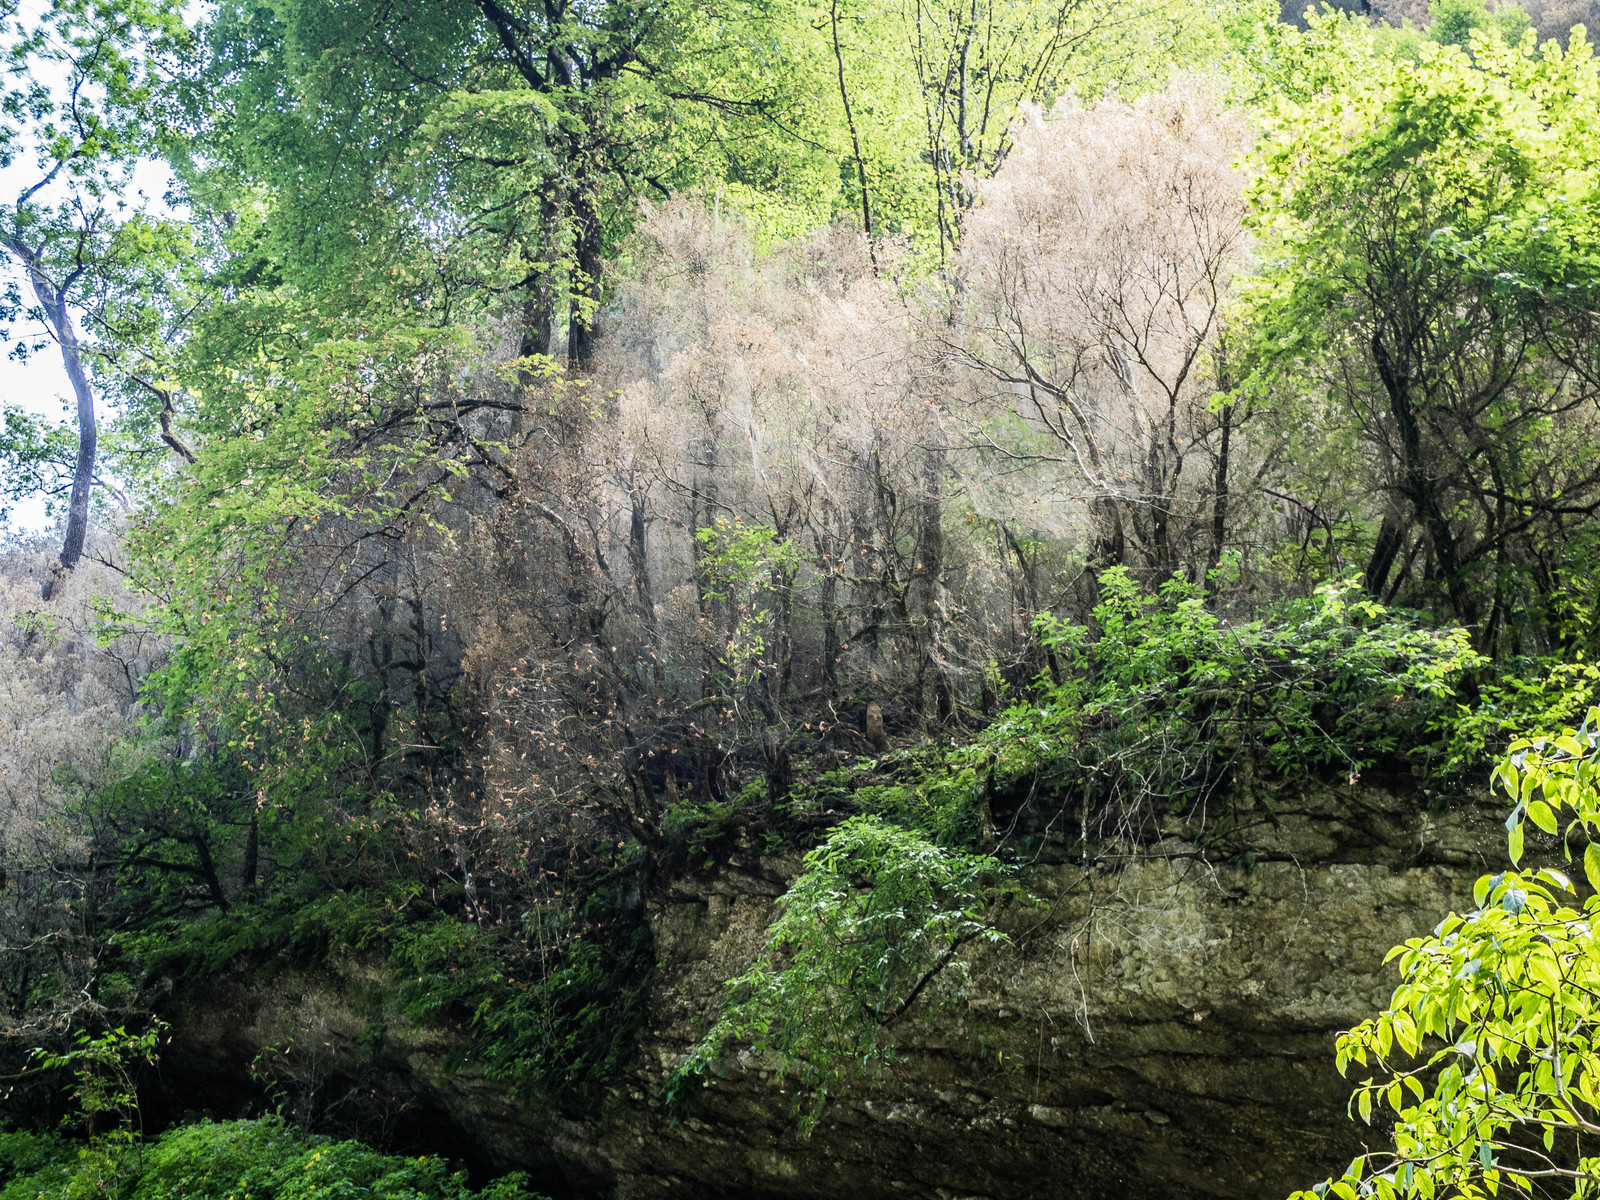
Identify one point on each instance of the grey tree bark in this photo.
(53, 301)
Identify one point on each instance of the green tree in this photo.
(1487, 1057)
(76, 109)
(1432, 236)
(478, 156)
(1453, 22)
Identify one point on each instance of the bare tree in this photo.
(977, 62)
(1096, 274)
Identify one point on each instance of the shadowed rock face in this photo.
(1160, 1029)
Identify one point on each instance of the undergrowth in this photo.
(551, 1007)
(265, 1159)
(1161, 706)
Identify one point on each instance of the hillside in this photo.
(751, 599)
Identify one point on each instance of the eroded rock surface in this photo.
(1161, 1027)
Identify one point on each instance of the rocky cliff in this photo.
(1160, 1027)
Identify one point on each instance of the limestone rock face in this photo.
(1160, 1027)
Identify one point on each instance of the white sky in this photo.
(37, 387)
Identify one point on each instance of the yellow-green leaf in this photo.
(1539, 813)
(1543, 967)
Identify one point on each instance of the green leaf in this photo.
(1539, 813)
(1542, 966)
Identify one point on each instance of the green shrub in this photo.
(1544, 693)
(1173, 694)
(1172, 707)
(1165, 706)
(874, 925)
(263, 1160)
(551, 1007)
(34, 1165)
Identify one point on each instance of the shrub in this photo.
(264, 1159)
(875, 922)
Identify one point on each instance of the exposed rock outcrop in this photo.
(1162, 1028)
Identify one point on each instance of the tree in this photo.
(1433, 240)
(77, 95)
(1092, 330)
(1487, 1056)
(498, 149)
(977, 65)
(1453, 22)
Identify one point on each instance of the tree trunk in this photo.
(539, 304)
(644, 591)
(1390, 535)
(1418, 484)
(929, 573)
(855, 138)
(54, 302)
(586, 278)
(1110, 545)
(1219, 502)
(252, 857)
(538, 321)
(775, 754)
(208, 868)
(829, 556)
(83, 470)
(1031, 607)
